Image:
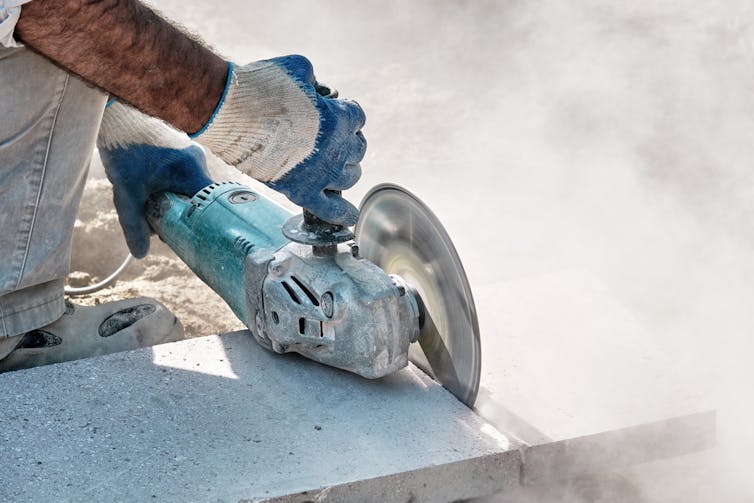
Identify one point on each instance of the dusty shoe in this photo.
(99, 330)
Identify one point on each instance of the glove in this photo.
(272, 125)
(143, 155)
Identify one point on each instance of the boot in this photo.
(85, 331)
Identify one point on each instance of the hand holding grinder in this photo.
(302, 283)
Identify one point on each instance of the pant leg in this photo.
(48, 126)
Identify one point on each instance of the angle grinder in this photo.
(366, 302)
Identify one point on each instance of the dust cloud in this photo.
(616, 138)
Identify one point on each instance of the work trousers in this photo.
(49, 121)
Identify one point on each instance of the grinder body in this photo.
(335, 307)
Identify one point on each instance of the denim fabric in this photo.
(48, 126)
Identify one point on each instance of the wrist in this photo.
(123, 126)
(228, 80)
(265, 123)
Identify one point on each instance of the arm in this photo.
(265, 118)
(126, 49)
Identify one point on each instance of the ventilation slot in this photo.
(199, 198)
(291, 292)
(243, 244)
(304, 289)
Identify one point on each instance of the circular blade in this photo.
(402, 236)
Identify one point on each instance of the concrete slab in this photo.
(581, 383)
(220, 419)
(613, 450)
(563, 359)
(437, 483)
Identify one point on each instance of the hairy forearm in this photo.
(126, 49)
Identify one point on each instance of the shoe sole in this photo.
(94, 331)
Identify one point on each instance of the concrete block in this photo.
(220, 419)
(562, 359)
(617, 449)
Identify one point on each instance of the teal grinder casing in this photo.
(322, 301)
(214, 231)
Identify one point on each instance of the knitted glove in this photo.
(142, 156)
(272, 125)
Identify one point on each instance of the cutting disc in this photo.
(401, 235)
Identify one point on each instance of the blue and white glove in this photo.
(272, 125)
(143, 155)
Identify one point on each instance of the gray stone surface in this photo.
(562, 358)
(436, 483)
(220, 419)
(608, 451)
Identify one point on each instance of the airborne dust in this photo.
(612, 138)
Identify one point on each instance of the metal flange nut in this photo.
(297, 230)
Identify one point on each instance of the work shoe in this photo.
(85, 331)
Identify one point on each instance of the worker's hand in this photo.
(142, 156)
(272, 125)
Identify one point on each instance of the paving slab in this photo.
(219, 419)
(580, 381)
(563, 358)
